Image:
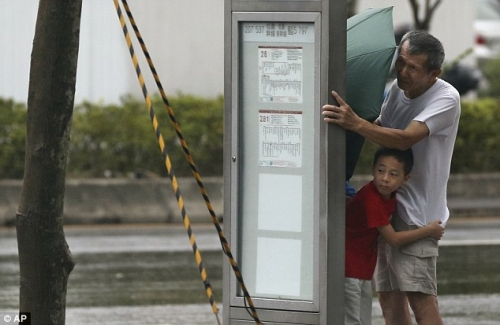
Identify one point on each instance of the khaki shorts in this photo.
(409, 268)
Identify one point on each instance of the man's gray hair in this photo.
(421, 42)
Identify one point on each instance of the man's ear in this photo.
(436, 73)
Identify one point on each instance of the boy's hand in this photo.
(436, 230)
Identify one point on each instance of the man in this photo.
(420, 112)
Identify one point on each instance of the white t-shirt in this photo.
(423, 198)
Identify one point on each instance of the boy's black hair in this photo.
(403, 156)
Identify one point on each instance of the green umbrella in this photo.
(370, 50)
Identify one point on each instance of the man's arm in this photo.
(398, 238)
(345, 117)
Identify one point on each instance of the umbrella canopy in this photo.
(370, 51)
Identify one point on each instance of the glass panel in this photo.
(276, 171)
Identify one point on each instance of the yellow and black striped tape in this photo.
(180, 201)
(225, 245)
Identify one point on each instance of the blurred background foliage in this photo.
(12, 139)
(119, 141)
(491, 74)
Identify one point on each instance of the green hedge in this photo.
(12, 139)
(477, 148)
(119, 140)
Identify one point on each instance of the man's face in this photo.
(412, 74)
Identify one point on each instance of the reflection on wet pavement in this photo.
(149, 276)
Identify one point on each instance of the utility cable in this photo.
(225, 245)
(168, 164)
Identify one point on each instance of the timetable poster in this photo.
(280, 74)
(280, 138)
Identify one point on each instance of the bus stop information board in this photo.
(283, 166)
(276, 117)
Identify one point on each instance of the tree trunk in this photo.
(430, 7)
(44, 257)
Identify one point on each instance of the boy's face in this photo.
(388, 175)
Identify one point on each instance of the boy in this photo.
(368, 214)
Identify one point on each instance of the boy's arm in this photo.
(398, 238)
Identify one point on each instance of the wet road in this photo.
(146, 274)
(173, 238)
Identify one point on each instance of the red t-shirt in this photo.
(366, 211)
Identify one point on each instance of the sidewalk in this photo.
(173, 237)
(132, 242)
(455, 310)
